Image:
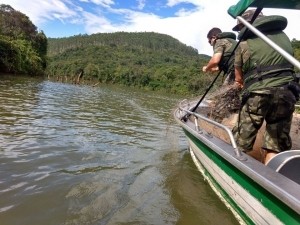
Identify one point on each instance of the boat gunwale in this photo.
(275, 183)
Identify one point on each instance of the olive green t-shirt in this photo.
(255, 52)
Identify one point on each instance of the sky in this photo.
(186, 20)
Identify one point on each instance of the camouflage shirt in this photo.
(222, 45)
(225, 46)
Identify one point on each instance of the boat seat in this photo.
(287, 163)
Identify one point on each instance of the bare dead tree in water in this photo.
(79, 76)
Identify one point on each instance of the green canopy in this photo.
(242, 5)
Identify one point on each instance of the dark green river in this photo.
(97, 155)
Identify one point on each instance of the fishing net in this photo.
(225, 101)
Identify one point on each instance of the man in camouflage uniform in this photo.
(223, 45)
(265, 76)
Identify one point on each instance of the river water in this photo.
(96, 155)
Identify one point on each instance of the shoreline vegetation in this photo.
(146, 60)
(23, 49)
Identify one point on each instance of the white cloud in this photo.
(176, 2)
(96, 24)
(44, 10)
(141, 4)
(105, 3)
(188, 26)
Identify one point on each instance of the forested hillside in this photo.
(145, 59)
(296, 47)
(149, 60)
(22, 48)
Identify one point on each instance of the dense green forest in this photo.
(296, 47)
(22, 48)
(148, 60)
(144, 59)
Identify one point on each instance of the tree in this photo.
(142, 59)
(25, 48)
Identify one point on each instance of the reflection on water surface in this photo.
(96, 155)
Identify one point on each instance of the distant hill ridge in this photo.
(142, 40)
(144, 59)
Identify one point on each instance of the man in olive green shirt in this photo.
(265, 76)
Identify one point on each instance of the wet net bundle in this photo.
(224, 102)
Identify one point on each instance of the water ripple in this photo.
(82, 155)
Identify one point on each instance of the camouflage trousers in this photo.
(276, 108)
